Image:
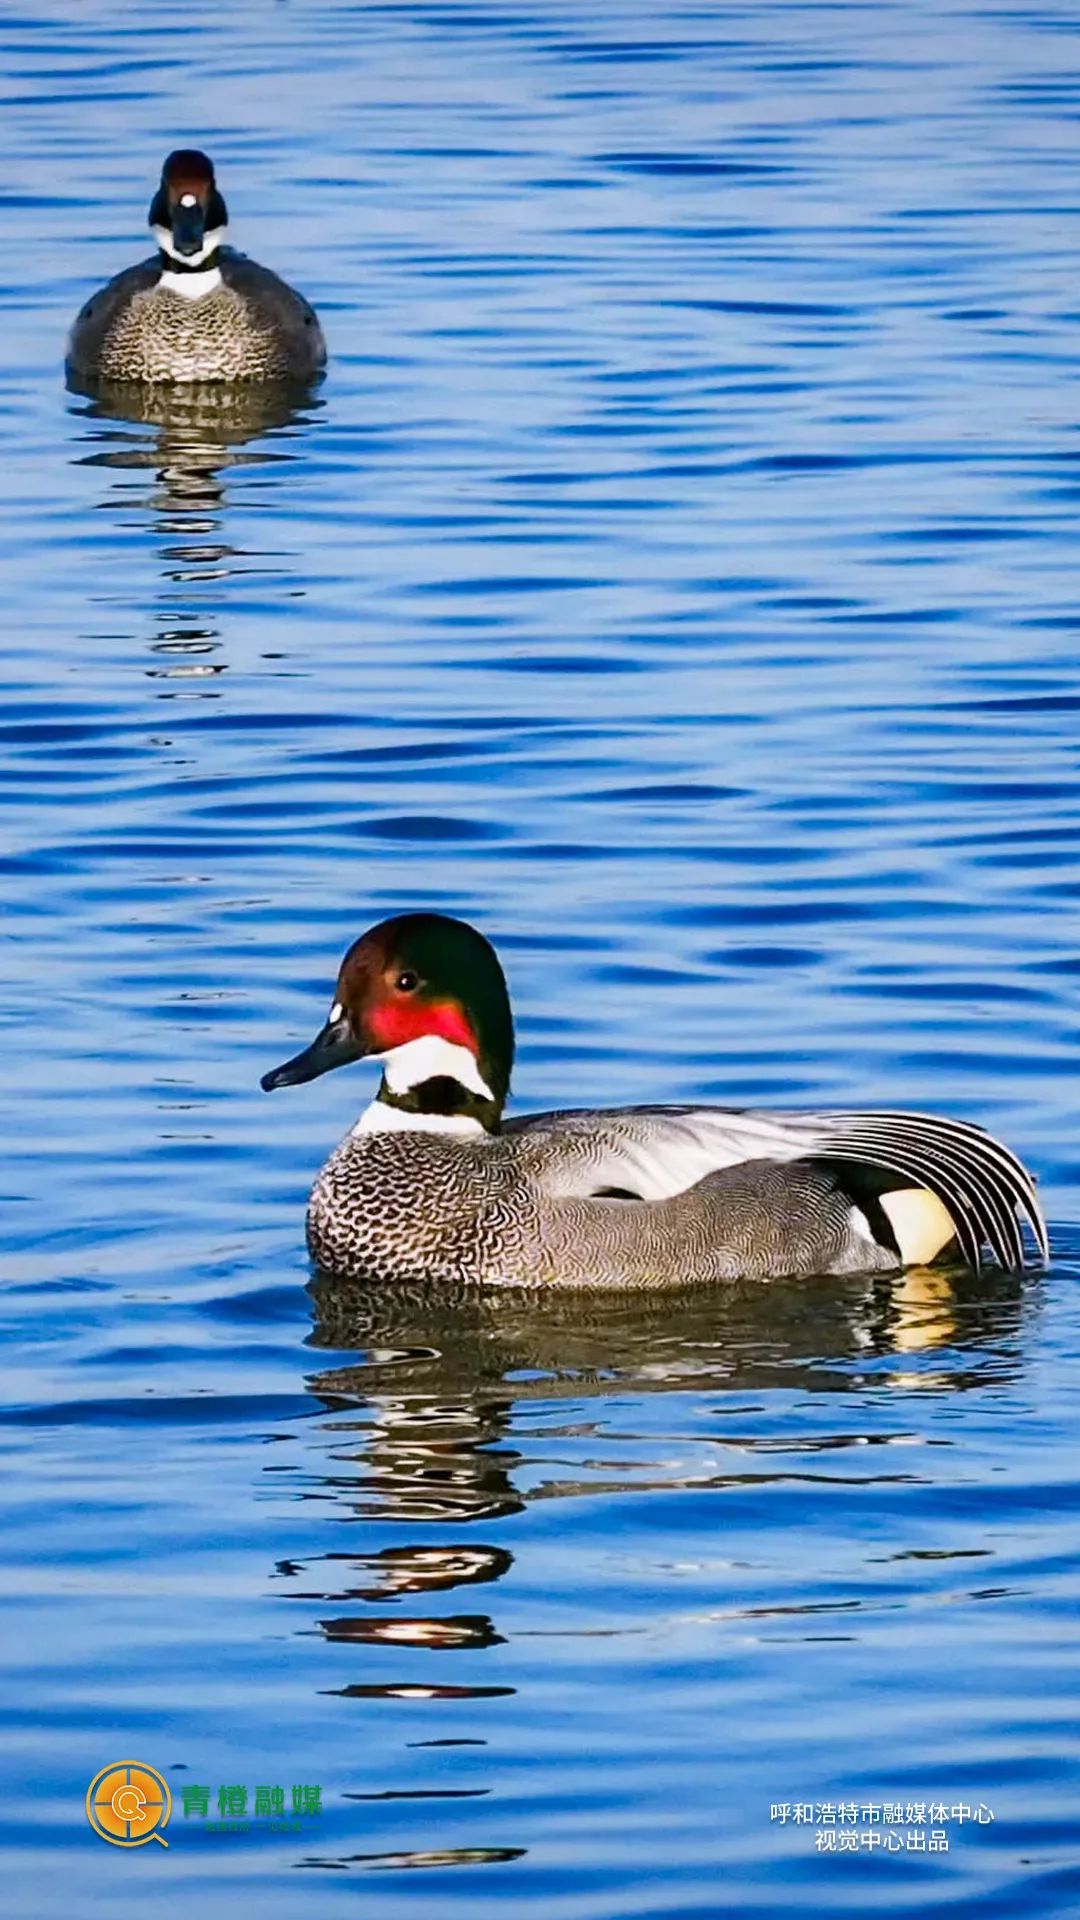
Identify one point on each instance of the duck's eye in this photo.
(407, 981)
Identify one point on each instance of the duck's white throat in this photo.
(191, 286)
(379, 1118)
(429, 1058)
(188, 284)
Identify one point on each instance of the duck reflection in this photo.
(190, 440)
(461, 1361)
(431, 1422)
(396, 1572)
(446, 1413)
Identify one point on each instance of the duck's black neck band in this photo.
(170, 264)
(442, 1094)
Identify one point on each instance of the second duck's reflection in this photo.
(190, 439)
(197, 432)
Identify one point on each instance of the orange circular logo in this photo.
(127, 1803)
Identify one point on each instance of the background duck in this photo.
(433, 1183)
(198, 310)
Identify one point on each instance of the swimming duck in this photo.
(433, 1183)
(197, 311)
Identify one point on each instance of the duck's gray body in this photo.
(647, 1197)
(250, 327)
(433, 1184)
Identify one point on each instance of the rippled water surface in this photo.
(677, 574)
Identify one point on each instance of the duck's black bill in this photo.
(188, 229)
(333, 1047)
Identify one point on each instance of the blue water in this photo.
(677, 574)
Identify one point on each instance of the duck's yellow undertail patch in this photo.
(921, 1222)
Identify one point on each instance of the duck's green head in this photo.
(427, 995)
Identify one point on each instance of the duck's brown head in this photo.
(188, 216)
